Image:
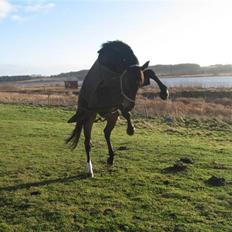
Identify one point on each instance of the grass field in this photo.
(42, 186)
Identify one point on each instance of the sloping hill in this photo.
(78, 75)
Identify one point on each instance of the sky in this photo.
(52, 36)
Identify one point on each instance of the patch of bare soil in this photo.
(216, 181)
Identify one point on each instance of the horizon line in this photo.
(86, 69)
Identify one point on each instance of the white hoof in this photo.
(89, 169)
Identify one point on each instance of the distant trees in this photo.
(218, 69)
(192, 69)
(177, 69)
(16, 78)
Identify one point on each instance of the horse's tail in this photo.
(73, 139)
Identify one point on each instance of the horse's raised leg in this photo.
(88, 124)
(111, 122)
(130, 126)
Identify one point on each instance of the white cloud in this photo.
(18, 18)
(5, 8)
(39, 7)
(20, 11)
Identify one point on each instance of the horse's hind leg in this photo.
(111, 122)
(88, 124)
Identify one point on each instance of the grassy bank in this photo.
(42, 186)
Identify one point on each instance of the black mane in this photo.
(117, 56)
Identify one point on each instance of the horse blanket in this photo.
(100, 88)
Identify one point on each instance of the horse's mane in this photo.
(121, 48)
(116, 54)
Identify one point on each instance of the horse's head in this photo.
(130, 81)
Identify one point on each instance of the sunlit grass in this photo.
(43, 187)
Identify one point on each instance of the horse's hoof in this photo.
(110, 161)
(164, 94)
(89, 175)
(130, 130)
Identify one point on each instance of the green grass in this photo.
(42, 186)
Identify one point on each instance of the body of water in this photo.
(204, 82)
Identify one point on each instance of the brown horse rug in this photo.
(100, 88)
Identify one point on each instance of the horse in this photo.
(109, 89)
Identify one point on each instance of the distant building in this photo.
(71, 84)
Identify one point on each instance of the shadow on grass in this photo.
(43, 183)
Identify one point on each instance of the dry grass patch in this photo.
(183, 102)
(38, 99)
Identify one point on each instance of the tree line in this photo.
(161, 70)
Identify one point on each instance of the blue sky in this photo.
(47, 37)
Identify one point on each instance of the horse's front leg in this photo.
(130, 126)
(111, 122)
(164, 94)
(88, 124)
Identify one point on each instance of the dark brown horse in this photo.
(109, 88)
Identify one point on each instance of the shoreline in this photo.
(196, 75)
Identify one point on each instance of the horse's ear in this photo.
(145, 65)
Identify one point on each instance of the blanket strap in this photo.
(121, 87)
